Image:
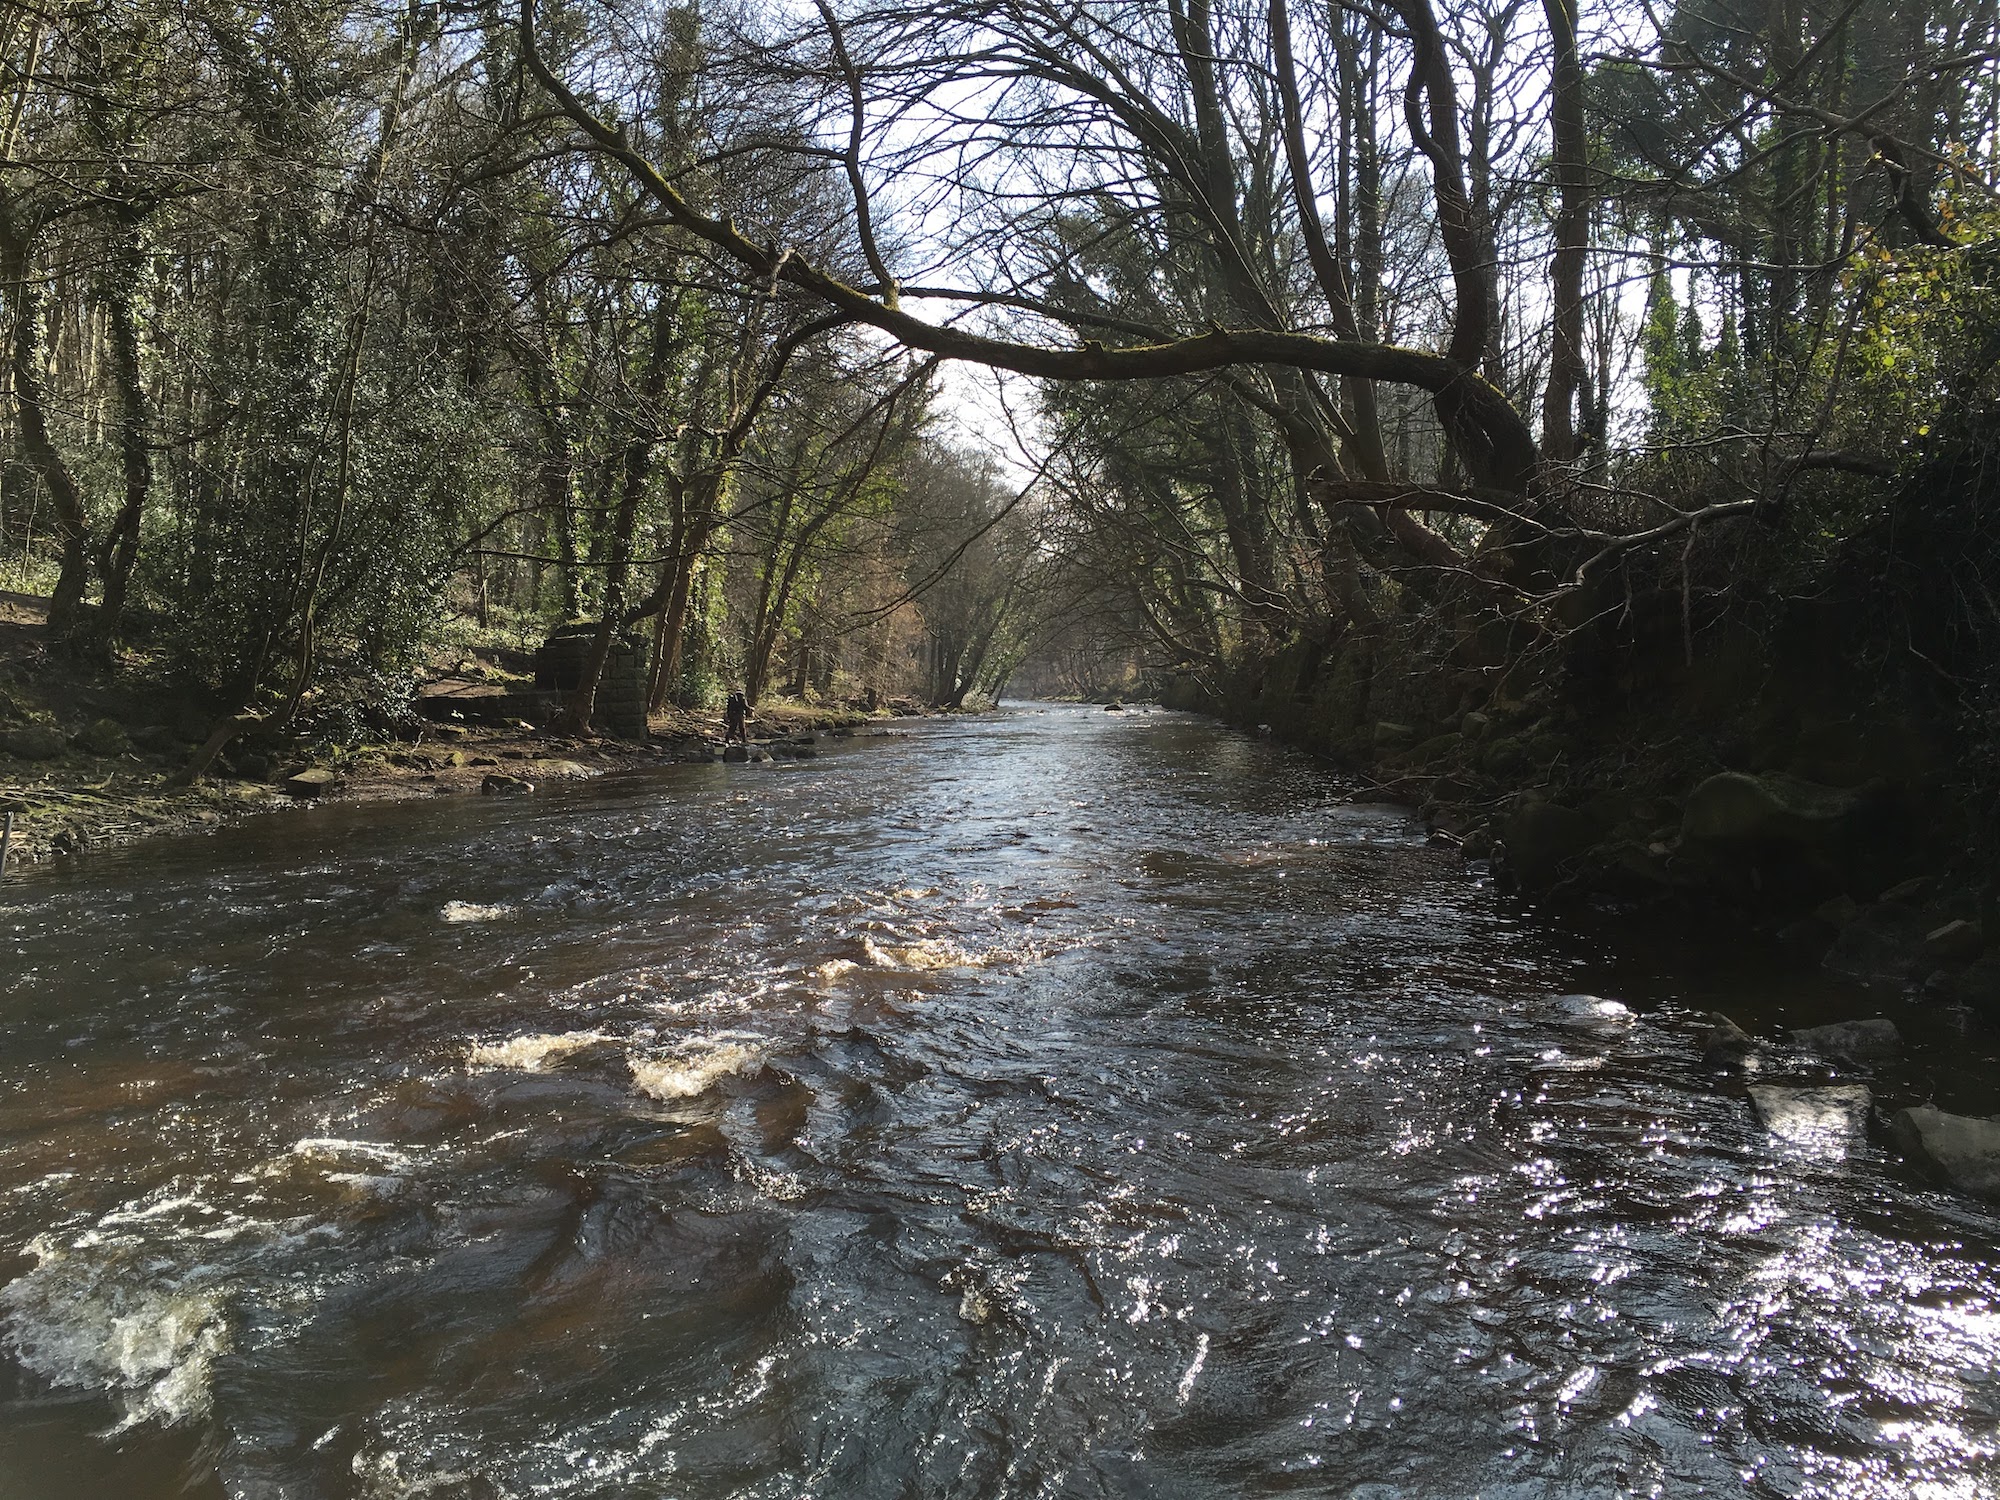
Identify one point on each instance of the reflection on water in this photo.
(1057, 1104)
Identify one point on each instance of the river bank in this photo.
(1747, 781)
(86, 755)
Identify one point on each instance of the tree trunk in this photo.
(581, 708)
(31, 309)
(1567, 371)
(118, 550)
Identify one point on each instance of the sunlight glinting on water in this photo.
(1057, 1104)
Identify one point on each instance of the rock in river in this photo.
(1725, 1044)
(496, 785)
(311, 783)
(1962, 1149)
(1593, 1013)
(1856, 1041)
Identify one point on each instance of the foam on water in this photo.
(923, 954)
(695, 1068)
(96, 1322)
(467, 911)
(532, 1052)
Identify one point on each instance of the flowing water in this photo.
(1060, 1103)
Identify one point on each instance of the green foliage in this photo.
(1928, 328)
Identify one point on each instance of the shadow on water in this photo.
(1057, 1103)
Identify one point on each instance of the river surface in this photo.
(1059, 1103)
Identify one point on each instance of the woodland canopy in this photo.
(336, 328)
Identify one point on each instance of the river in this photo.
(1058, 1103)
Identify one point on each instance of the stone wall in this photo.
(621, 692)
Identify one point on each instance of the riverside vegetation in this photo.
(1582, 421)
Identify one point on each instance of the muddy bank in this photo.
(86, 756)
(76, 800)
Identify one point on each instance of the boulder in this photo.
(497, 785)
(1114, 707)
(1954, 943)
(33, 741)
(1962, 1149)
(1541, 838)
(1393, 736)
(735, 752)
(1503, 756)
(312, 783)
(1725, 1044)
(104, 737)
(1735, 808)
(1476, 725)
(1855, 1041)
(1812, 1116)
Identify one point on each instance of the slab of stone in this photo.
(1954, 943)
(496, 785)
(311, 784)
(1962, 1149)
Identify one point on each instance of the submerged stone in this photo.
(1812, 1116)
